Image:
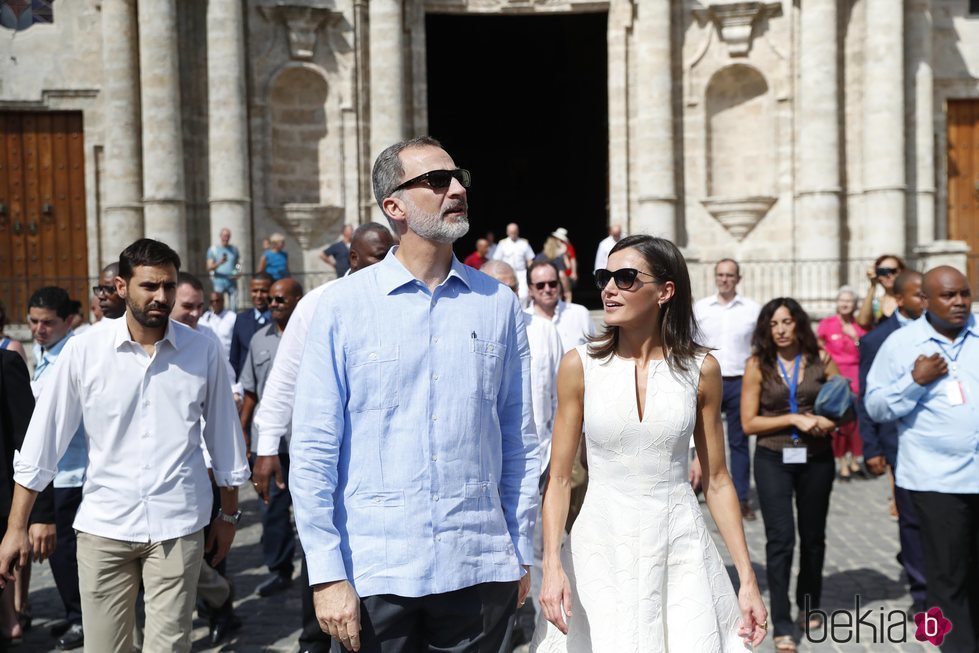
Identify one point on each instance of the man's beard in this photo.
(146, 320)
(434, 226)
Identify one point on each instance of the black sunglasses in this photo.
(624, 277)
(439, 179)
(103, 290)
(885, 272)
(550, 284)
(277, 299)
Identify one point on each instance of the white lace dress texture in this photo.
(645, 574)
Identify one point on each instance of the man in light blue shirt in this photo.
(926, 379)
(414, 466)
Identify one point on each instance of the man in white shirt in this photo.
(606, 245)
(219, 319)
(728, 321)
(573, 321)
(517, 253)
(141, 388)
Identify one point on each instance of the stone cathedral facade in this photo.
(803, 137)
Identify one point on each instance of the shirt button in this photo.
(435, 497)
(373, 356)
(434, 458)
(435, 418)
(490, 347)
(435, 339)
(438, 538)
(435, 377)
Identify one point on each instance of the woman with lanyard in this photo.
(793, 456)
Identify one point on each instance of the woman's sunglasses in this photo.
(439, 179)
(886, 272)
(625, 278)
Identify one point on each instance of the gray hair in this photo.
(388, 170)
(847, 290)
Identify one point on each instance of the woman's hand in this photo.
(824, 425)
(555, 596)
(804, 423)
(754, 615)
(872, 274)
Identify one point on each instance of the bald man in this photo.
(926, 379)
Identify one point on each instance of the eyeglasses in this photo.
(624, 277)
(439, 179)
(278, 299)
(550, 284)
(98, 291)
(886, 272)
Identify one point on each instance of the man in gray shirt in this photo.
(278, 541)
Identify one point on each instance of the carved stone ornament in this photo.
(310, 224)
(303, 19)
(735, 20)
(738, 215)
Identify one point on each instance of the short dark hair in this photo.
(111, 268)
(903, 279)
(146, 252)
(53, 298)
(370, 227)
(737, 268)
(263, 276)
(187, 279)
(542, 264)
(388, 169)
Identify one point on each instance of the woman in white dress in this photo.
(639, 571)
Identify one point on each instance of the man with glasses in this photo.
(414, 464)
(727, 321)
(573, 321)
(517, 253)
(110, 303)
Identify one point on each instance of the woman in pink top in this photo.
(840, 336)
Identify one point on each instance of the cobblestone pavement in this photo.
(860, 559)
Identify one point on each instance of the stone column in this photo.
(817, 226)
(619, 24)
(884, 178)
(122, 217)
(920, 68)
(655, 167)
(387, 79)
(227, 126)
(164, 198)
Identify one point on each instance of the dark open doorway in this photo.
(522, 102)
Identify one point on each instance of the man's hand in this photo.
(929, 368)
(43, 539)
(524, 588)
(15, 551)
(265, 468)
(338, 612)
(219, 540)
(876, 465)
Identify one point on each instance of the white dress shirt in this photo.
(516, 253)
(546, 351)
(145, 480)
(222, 324)
(210, 333)
(573, 323)
(601, 254)
(273, 420)
(728, 328)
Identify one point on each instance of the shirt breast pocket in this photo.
(488, 356)
(372, 378)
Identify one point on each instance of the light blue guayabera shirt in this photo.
(938, 442)
(414, 467)
(71, 467)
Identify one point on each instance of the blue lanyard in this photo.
(793, 387)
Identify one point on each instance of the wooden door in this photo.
(963, 179)
(43, 239)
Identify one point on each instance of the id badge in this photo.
(794, 455)
(954, 393)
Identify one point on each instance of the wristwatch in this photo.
(231, 519)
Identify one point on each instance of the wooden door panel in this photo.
(963, 178)
(17, 282)
(76, 229)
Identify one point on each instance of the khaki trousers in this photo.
(109, 575)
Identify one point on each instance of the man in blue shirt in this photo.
(224, 264)
(414, 466)
(926, 378)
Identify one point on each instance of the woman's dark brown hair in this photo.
(677, 325)
(763, 345)
(901, 266)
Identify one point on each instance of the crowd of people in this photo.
(435, 428)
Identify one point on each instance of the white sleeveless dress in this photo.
(645, 574)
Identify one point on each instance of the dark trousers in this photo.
(737, 441)
(810, 484)
(278, 539)
(64, 563)
(475, 619)
(950, 534)
(312, 639)
(912, 555)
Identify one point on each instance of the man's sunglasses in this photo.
(886, 272)
(278, 299)
(98, 291)
(439, 179)
(624, 277)
(550, 284)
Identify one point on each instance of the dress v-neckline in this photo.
(641, 412)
